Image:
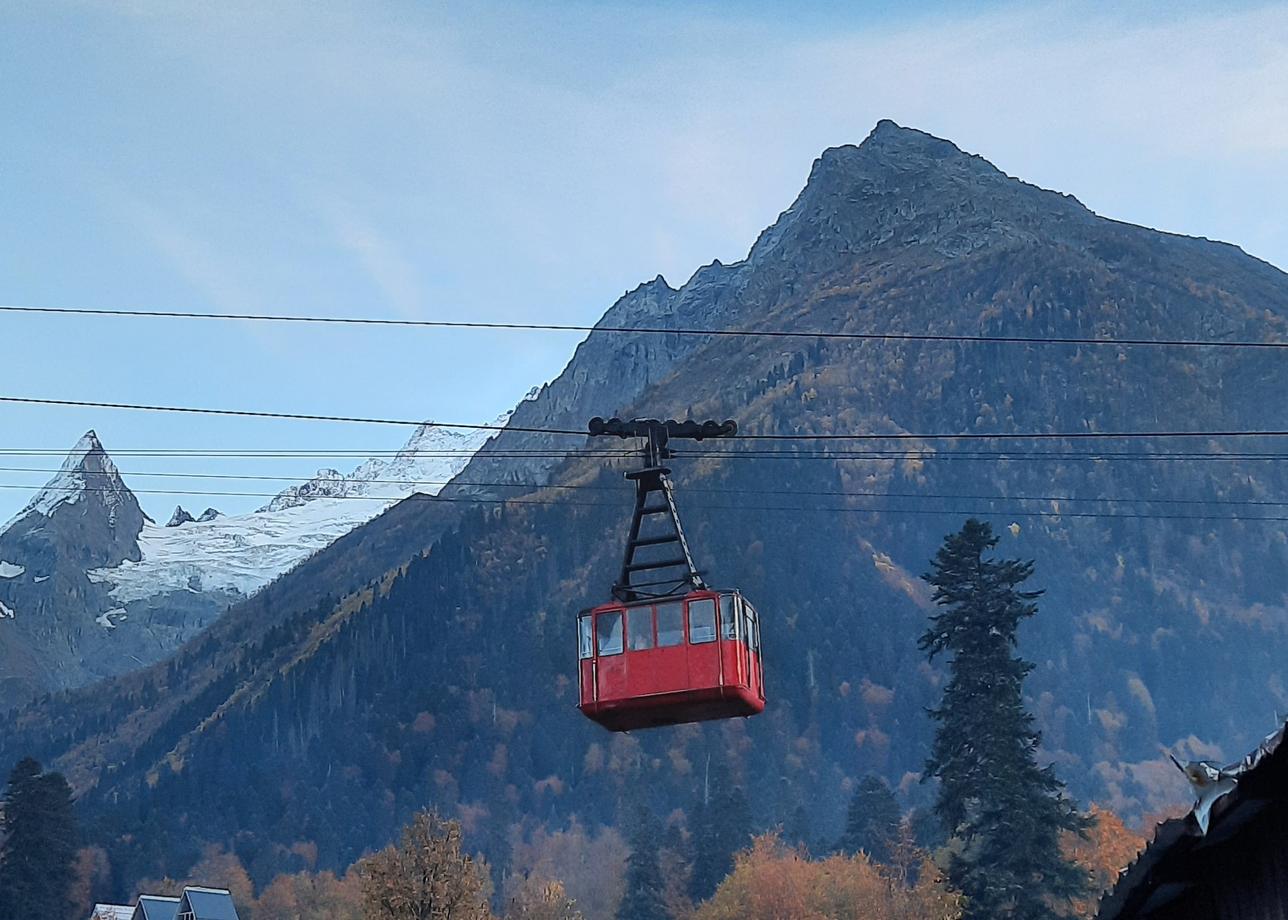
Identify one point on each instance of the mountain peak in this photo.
(180, 517)
(87, 445)
(888, 133)
(892, 147)
(903, 189)
(86, 512)
(88, 470)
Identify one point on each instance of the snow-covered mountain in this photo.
(236, 555)
(91, 586)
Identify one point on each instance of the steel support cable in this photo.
(701, 490)
(871, 436)
(1007, 512)
(297, 416)
(825, 455)
(829, 455)
(648, 330)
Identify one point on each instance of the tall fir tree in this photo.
(37, 843)
(797, 832)
(721, 828)
(643, 898)
(1003, 813)
(873, 822)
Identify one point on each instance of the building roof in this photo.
(1227, 798)
(155, 907)
(111, 912)
(208, 903)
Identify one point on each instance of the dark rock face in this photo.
(1165, 619)
(179, 518)
(208, 515)
(85, 517)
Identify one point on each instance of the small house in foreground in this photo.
(195, 903)
(1225, 860)
(111, 912)
(155, 907)
(206, 904)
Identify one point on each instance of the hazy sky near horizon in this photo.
(520, 161)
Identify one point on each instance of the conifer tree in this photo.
(1003, 813)
(797, 830)
(38, 848)
(873, 822)
(927, 832)
(643, 899)
(722, 827)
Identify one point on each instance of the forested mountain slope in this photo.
(376, 679)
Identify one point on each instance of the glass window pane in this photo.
(585, 645)
(702, 621)
(608, 627)
(753, 629)
(728, 617)
(670, 624)
(639, 628)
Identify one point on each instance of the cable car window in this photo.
(585, 640)
(702, 621)
(608, 627)
(639, 628)
(728, 618)
(753, 629)
(670, 624)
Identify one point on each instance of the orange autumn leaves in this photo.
(772, 881)
(1109, 847)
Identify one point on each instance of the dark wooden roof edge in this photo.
(1163, 861)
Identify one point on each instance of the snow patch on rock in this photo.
(6, 612)
(105, 619)
(10, 569)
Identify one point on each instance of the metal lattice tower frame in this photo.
(656, 548)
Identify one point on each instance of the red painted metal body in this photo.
(670, 660)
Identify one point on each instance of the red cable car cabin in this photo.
(683, 658)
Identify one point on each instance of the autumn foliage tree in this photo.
(309, 896)
(1108, 847)
(540, 899)
(91, 875)
(771, 881)
(591, 866)
(426, 876)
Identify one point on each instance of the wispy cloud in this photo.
(378, 256)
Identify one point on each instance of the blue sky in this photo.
(512, 161)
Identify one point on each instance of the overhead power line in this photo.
(707, 490)
(298, 416)
(822, 454)
(1007, 512)
(649, 330)
(799, 436)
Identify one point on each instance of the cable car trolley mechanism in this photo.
(667, 649)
